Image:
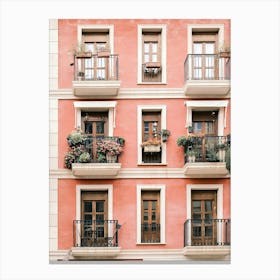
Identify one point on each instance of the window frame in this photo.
(150, 187)
(161, 28)
(150, 108)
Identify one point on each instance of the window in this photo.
(152, 53)
(151, 126)
(150, 214)
(151, 57)
(150, 217)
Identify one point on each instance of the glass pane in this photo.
(197, 48)
(208, 219)
(100, 127)
(197, 74)
(145, 204)
(196, 231)
(100, 232)
(87, 206)
(145, 227)
(196, 205)
(146, 58)
(101, 62)
(154, 47)
(209, 126)
(154, 205)
(145, 216)
(197, 62)
(88, 127)
(100, 74)
(153, 216)
(146, 126)
(154, 58)
(208, 205)
(88, 217)
(209, 48)
(99, 206)
(153, 226)
(146, 47)
(89, 47)
(100, 219)
(197, 127)
(88, 62)
(196, 218)
(88, 74)
(209, 61)
(208, 231)
(209, 73)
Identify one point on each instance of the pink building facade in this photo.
(139, 139)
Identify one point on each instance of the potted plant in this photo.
(190, 129)
(221, 151)
(76, 138)
(109, 148)
(79, 51)
(85, 157)
(164, 133)
(191, 155)
(104, 51)
(81, 75)
(121, 141)
(224, 51)
(73, 155)
(152, 145)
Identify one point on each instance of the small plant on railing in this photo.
(224, 50)
(80, 51)
(185, 141)
(121, 141)
(191, 155)
(164, 133)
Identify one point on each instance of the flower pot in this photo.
(111, 158)
(152, 148)
(224, 54)
(222, 155)
(84, 55)
(191, 158)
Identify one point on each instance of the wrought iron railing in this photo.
(206, 67)
(150, 233)
(96, 68)
(207, 232)
(207, 149)
(96, 233)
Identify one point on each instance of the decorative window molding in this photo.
(150, 108)
(151, 187)
(205, 28)
(97, 28)
(152, 28)
(208, 105)
(84, 106)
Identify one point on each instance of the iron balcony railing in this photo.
(150, 233)
(207, 149)
(206, 67)
(96, 233)
(207, 232)
(96, 68)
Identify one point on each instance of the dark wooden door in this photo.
(204, 214)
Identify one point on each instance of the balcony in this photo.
(207, 238)
(95, 239)
(96, 76)
(207, 75)
(94, 157)
(207, 156)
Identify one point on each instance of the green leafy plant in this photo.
(84, 157)
(76, 138)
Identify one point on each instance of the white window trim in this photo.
(97, 27)
(152, 27)
(96, 105)
(219, 189)
(151, 187)
(208, 105)
(108, 188)
(150, 108)
(205, 27)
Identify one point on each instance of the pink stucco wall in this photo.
(125, 40)
(124, 208)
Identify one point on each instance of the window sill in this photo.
(152, 164)
(152, 83)
(158, 243)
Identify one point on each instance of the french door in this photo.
(94, 216)
(204, 214)
(150, 217)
